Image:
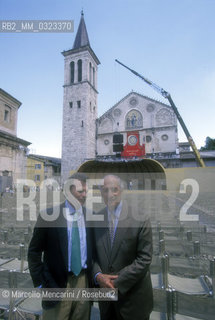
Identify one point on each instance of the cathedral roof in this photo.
(81, 38)
(126, 97)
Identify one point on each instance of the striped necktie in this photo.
(111, 227)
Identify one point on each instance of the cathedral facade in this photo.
(148, 127)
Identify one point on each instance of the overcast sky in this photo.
(170, 42)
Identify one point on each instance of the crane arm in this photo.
(166, 95)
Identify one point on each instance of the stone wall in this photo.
(79, 128)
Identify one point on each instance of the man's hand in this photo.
(106, 280)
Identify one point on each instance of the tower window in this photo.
(6, 115)
(72, 72)
(90, 72)
(79, 70)
(94, 77)
(82, 123)
(7, 112)
(79, 103)
(71, 105)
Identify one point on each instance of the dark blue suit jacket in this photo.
(51, 240)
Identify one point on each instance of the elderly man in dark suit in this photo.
(123, 253)
(65, 244)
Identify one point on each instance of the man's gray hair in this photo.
(121, 183)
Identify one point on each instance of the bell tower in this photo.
(79, 102)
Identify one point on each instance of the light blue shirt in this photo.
(71, 214)
(115, 214)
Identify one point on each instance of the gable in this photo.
(136, 111)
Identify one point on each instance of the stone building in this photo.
(35, 169)
(79, 102)
(13, 150)
(148, 127)
(52, 167)
(40, 168)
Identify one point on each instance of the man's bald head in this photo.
(112, 191)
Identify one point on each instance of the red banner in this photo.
(133, 147)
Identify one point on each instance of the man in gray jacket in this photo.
(123, 253)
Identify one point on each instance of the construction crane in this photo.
(167, 95)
